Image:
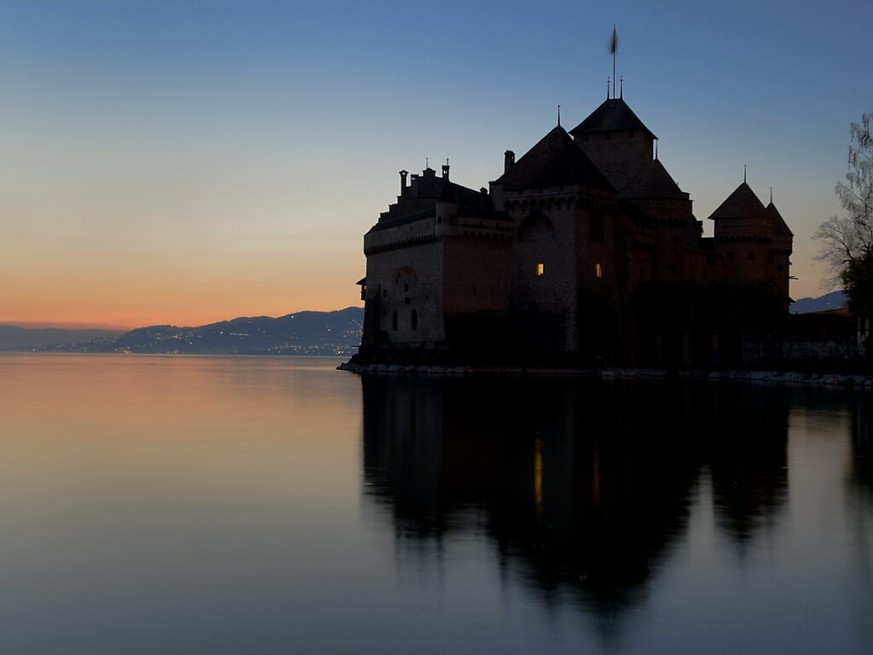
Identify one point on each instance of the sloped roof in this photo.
(653, 182)
(742, 203)
(612, 116)
(780, 227)
(554, 161)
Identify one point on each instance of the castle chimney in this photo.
(446, 170)
(403, 175)
(508, 161)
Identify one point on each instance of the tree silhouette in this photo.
(848, 240)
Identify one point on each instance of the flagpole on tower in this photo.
(613, 48)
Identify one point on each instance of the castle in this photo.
(584, 251)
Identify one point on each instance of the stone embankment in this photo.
(784, 377)
(466, 371)
(787, 377)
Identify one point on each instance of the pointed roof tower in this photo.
(742, 203)
(742, 216)
(554, 161)
(613, 115)
(616, 140)
(653, 182)
(780, 227)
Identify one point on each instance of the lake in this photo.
(174, 504)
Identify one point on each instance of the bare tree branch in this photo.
(847, 241)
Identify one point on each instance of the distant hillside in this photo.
(303, 333)
(833, 300)
(13, 338)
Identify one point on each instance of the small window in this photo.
(414, 319)
(384, 293)
(598, 270)
(394, 321)
(541, 268)
(406, 287)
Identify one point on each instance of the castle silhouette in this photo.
(584, 251)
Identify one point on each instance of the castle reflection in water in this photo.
(585, 487)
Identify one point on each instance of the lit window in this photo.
(540, 269)
(598, 270)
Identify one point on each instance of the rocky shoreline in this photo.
(786, 377)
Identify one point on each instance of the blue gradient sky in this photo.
(189, 161)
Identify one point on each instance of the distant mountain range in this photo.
(303, 333)
(14, 338)
(827, 302)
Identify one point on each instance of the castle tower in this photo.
(667, 208)
(616, 140)
(754, 239)
(780, 253)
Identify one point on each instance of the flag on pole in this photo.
(613, 48)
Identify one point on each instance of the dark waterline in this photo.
(248, 505)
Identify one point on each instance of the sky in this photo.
(189, 161)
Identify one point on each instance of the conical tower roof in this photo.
(614, 115)
(780, 227)
(653, 182)
(554, 161)
(742, 203)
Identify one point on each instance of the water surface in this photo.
(276, 505)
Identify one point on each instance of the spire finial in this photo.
(608, 82)
(771, 195)
(744, 173)
(559, 115)
(426, 163)
(621, 87)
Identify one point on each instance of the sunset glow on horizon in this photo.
(187, 163)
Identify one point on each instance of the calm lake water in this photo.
(275, 505)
